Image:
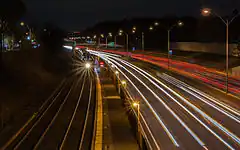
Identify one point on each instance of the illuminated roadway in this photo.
(204, 74)
(175, 115)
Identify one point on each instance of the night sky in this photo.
(79, 14)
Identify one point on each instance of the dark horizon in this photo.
(76, 15)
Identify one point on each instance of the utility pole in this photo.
(142, 41)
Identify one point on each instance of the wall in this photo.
(216, 48)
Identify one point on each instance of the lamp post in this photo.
(137, 105)
(142, 40)
(115, 41)
(29, 29)
(109, 34)
(227, 22)
(179, 23)
(122, 32)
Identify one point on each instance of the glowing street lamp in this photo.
(227, 22)
(109, 34)
(22, 24)
(134, 28)
(30, 31)
(156, 23)
(206, 12)
(124, 83)
(137, 105)
(178, 24)
(120, 33)
(150, 28)
(116, 72)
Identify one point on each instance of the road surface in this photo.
(207, 75)
(176, 115)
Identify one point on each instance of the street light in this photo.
(116, 72)
(227, 22)
(109, 34)
(122, 32)
(156, 23)
(150, 28)
(134, 31)
(137, 105)
(29, 29)
(124, 83)
(179, 24)
(22, 23)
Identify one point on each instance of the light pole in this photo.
(168, 39)
(120, 33)
(109, 34)
(29, 29)
(115, 41)
(142, 40)
(227, 22)
(137, 105)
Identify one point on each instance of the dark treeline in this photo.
(202, 29)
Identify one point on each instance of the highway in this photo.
(176, 115)
(65, 120)
(207, 75)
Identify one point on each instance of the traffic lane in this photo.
(55, 135)
(34, 132)
(194, 125)
(208, 89)
(199, 115)
(76, 134)
(159, 135)
(179, 132)
(198, 101)
(182, 70)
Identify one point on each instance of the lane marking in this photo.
(99, 118)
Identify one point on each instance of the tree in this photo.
(12, 10)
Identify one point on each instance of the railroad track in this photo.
(64, 121)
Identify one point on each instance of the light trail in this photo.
(200, 142)
(231, 109)
(226, 131)
(210, 119)
(148, 104)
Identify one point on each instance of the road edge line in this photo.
(97, 139)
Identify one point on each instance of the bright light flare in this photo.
(135, 104)
(88, 65)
